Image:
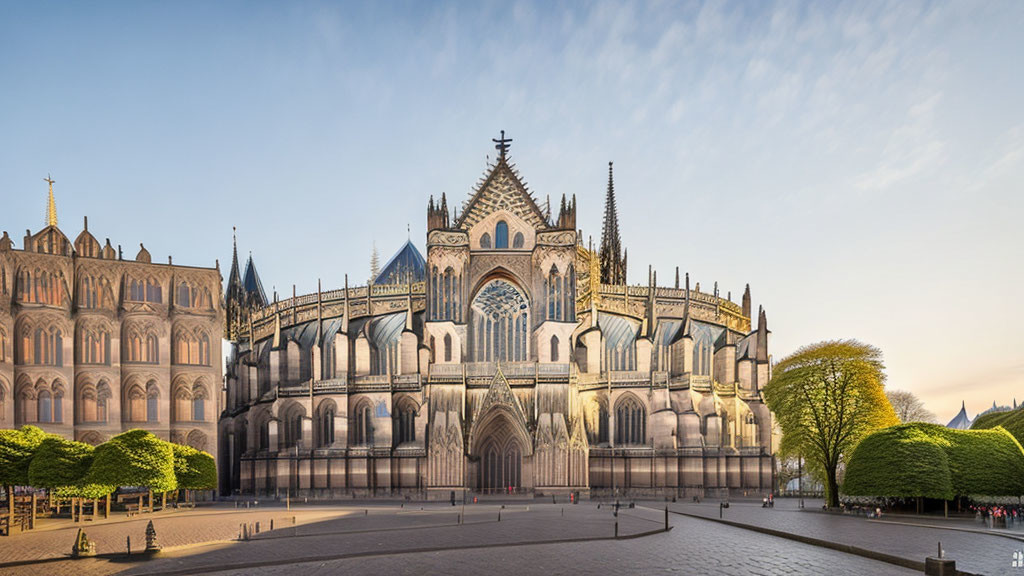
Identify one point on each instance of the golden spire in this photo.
(51, 207)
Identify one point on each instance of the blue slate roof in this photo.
(252, 285)
(406, 262)
(960, 421)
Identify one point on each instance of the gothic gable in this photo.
(502, 190)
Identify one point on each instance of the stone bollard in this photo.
(271, 523)
(83, 547)
(257, 527)
(499, 514)
(128, 541)
(152, 546)
(940, 565)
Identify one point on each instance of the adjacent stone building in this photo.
(512, 358)
(92, 344)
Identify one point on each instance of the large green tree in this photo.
(62, 466)
(134, 458)
(827, 397)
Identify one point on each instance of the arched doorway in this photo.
(501, 469)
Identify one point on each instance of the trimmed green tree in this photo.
(194, 469)
(134, 458)
(17, 447)
(826, 398)
(1012, 421)
(61, 466)
(902, 461)
(931, 461)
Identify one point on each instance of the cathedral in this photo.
(514, 358)
(93, 344)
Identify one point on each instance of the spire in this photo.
(51, 207)
(613, 264)
(746, 301)
(234, 277)
(374, 263)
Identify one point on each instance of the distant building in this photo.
(92, 344)
(961, 421)
(512, 357)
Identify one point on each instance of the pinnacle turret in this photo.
(613, 262)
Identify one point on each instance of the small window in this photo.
(447, 347)
(152, 414)
(517, 241)
(554, 348)
(485, 241)
(198, 409)
(501, 235)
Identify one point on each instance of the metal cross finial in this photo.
(501, 144)
(51, 181)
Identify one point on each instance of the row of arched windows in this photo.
(93, 402)
(190, 403)
(41, 347)
(94, 293)
(143, 405)
(40, 287)
(192, 350)
(94, 347)
(560, 293)
(145, 291)
(142, 349)
(446, 353)
(43, 403)
(446, 295)
(189, 297)
(501, 238)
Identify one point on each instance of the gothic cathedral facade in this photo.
(93, 344)
(513, 358)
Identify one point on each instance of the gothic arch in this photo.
(630, 421)
(196, 439)
(499, 321)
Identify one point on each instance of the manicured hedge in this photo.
(932, 461)
(901, 461)
(16, 450)
(134, 458)
(1013, 421)
(194, 469)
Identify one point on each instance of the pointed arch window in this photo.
(184, 295)
(630, 422)
(362, 431)
(102, 400)
(405, 424)
(326, 427)
(447, 347)
(602, 424)
(152, 402)
(44, 407)
(501, 235)
(485, 241)
(499, 323)
(199, 404)
(554, 348)
(518, 240)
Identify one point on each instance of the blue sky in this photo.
(859, 164)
